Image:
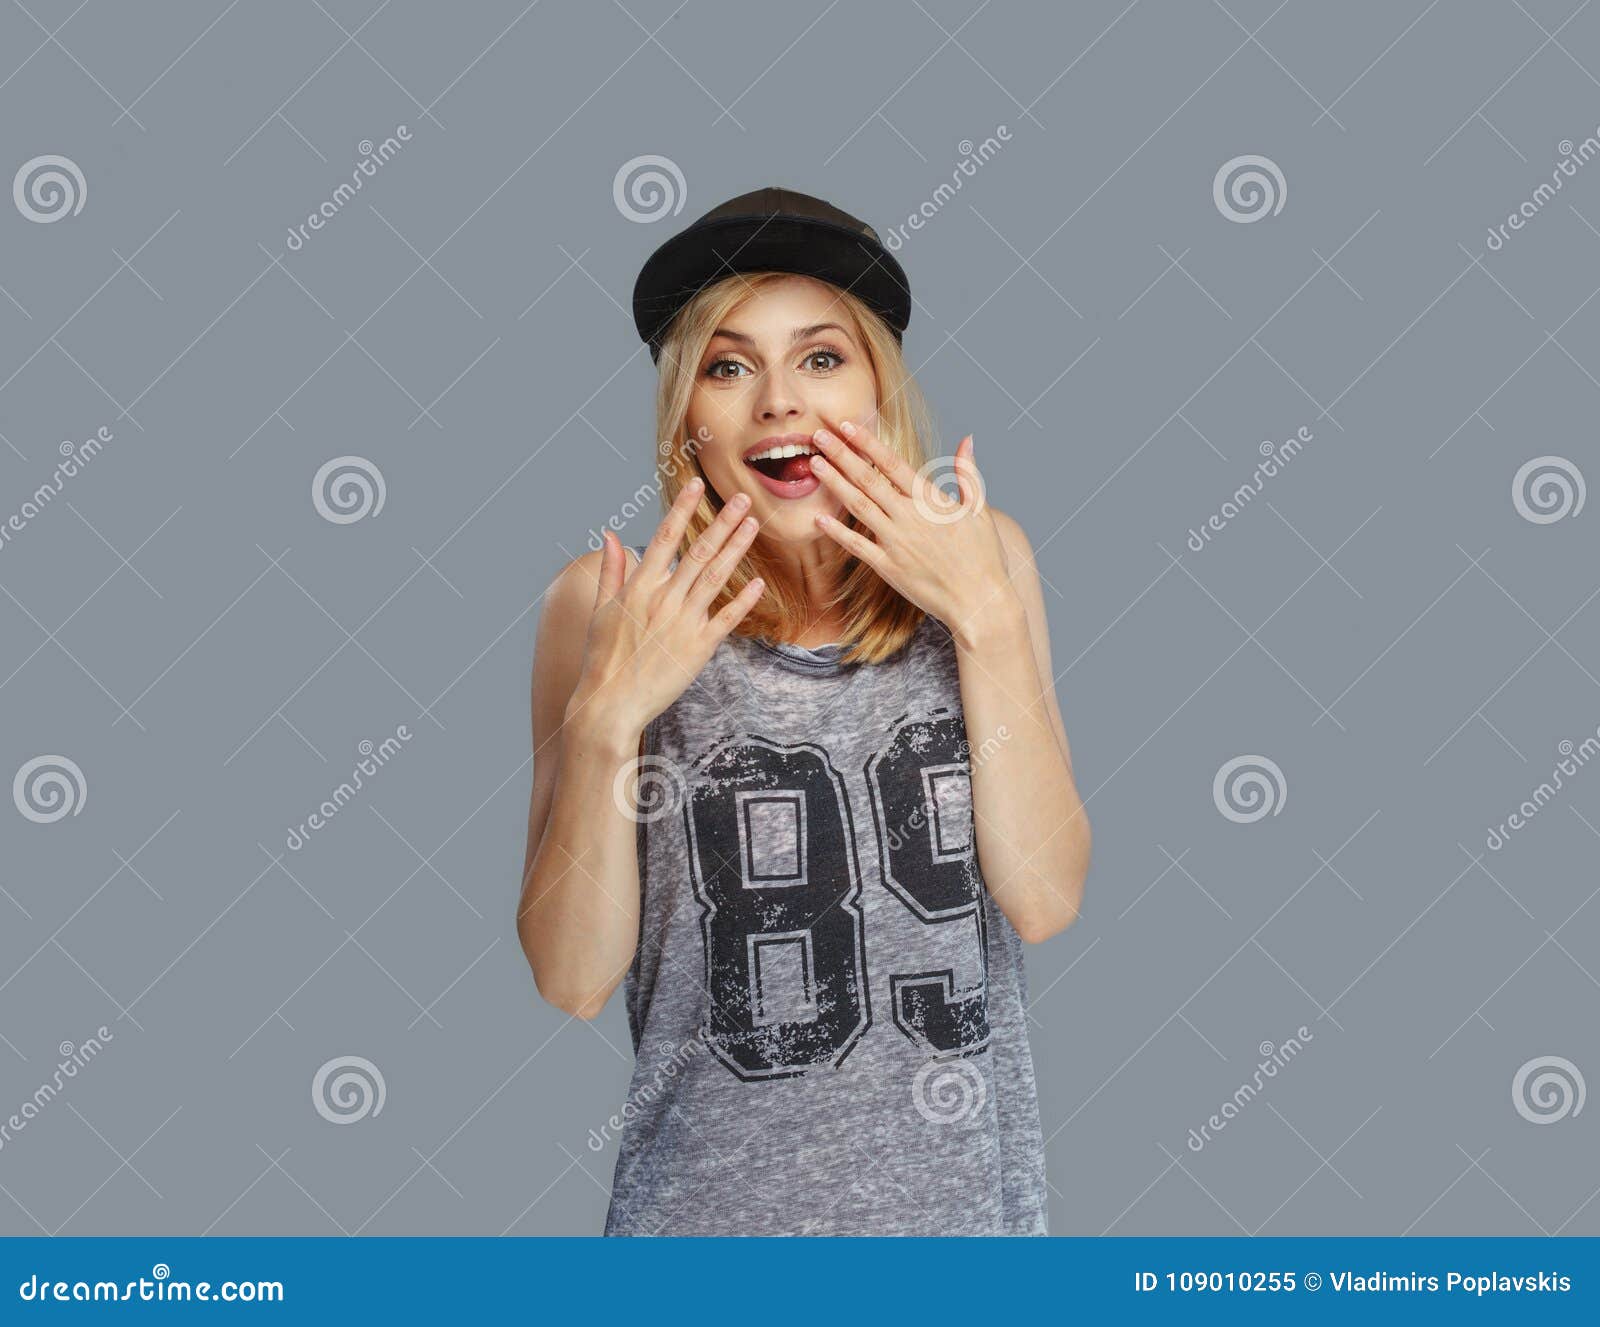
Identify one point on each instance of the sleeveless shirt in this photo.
(827, 1008)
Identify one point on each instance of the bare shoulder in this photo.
(1014, 539)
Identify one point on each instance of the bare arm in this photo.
(1033, 836)
(614, 649)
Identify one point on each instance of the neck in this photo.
(813, 571)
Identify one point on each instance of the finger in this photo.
(852, 541)
(716, 574)
(734, 611)
(664, 543)
(900, 471)
(706, 547)
(857, 503)
(612, 560)
(967, 478)
(855, 467)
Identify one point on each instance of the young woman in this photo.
(830, 683)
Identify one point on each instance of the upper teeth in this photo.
(776, 453)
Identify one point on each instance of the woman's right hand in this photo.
(651, 632)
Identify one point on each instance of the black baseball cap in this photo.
(769, 230)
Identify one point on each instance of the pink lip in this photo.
(798, 488)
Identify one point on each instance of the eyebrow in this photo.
(799, 333)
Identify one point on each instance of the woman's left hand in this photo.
(942, 553)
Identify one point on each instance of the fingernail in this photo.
(739, 501)
(695, 484)
(847, 428)
(823, 438)
(819, 463)
(749, 523)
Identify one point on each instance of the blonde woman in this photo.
(801, 784)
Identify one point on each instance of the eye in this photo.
(711, 368)
(825, 352)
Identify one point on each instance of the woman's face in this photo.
(783, 364)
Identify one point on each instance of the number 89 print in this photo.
(774, 864)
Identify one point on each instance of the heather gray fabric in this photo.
(827, 1008)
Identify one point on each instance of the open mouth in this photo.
(784, 464)
(785, 468)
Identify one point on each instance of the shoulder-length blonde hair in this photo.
(879, 620)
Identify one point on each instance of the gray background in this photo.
(1385, 626)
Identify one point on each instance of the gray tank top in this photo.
(828, 1010)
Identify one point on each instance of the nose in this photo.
(776, 398)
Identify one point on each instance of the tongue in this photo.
(793, 468)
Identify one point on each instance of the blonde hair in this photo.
(879, 620)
